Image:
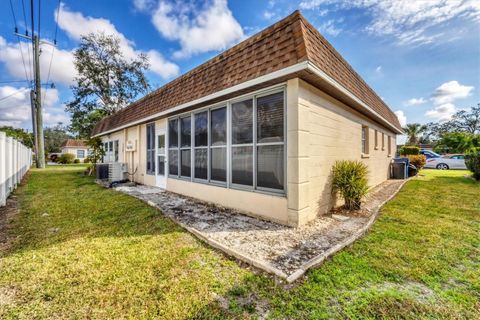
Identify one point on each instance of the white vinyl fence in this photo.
(15, 160)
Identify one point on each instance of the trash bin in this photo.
(399, 168)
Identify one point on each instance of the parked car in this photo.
(429, 154)
(453, 161)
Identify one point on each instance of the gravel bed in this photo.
(284, 248)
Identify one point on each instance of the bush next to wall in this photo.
(418, 161)
(472, 161)
(66, 158)
(350, 181)
(409, 150)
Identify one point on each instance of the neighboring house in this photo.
(78, 148)
(258, 127)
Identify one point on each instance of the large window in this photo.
(247, 136)
(151, 148)
(80, 154)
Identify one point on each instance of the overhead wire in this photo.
(18, 40)
(30, 55)
(53, 50)
(12, 94)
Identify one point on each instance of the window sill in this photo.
(365, 156)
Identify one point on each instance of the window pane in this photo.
(218, 168)
(173, 162)
(185, 163)
(218, 127)
(201, 129)
(80, 154)
(161, 141)
(116, 150)
(242, 122)
(185, 129)
(173, 133)
(201, 163)
(242, 165)
(161, 165)
(270, 167)
(270, 118)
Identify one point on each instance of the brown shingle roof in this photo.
(284, 44)
(72, 143)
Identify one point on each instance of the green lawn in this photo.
(81, 251)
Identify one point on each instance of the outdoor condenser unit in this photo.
(117, 171)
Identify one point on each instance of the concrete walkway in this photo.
(284, 251)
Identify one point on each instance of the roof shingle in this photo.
(284, 44)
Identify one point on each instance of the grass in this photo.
(80, 251)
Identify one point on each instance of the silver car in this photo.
(453, 161)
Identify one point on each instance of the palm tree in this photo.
(413, 131)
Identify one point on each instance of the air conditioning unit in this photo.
(117, 171)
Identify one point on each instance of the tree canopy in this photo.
(55, 136)
(19, 134)
(107, 81)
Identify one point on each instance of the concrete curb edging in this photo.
(318, 260)
(313, 262)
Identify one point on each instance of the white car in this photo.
(454, 161)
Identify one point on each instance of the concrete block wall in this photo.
(15, 161)
(322, 130)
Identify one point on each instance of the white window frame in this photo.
(228, 146)
(365, 140)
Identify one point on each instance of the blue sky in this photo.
(422, 57)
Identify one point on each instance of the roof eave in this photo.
(302, 66)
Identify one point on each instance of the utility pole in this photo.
(34, 123)
(38, 104)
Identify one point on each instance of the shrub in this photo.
(418, 161)
(350, 180)
(472, 161)
(87, 160)
(409, 150)
(76, 161)
(66, 158)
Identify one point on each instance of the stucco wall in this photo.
(323, 131)
(73, 151)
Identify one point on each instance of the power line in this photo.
(18, 39)
(14, 81)
(12, 94)
(39, 11)
(30, 61)
(53, 50)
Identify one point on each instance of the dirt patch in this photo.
(7, 296)
(7, 213)
(270, 244)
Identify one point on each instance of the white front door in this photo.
(160, 158)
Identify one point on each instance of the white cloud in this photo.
(15, 108)
(75, 24)
(402, 118)
(209, 28)
(450, 91)
(378, 69)
(410, 22)
(442, 112)
(62, 70)
(143, 5)
(443, 99)
(329, 27)
(415, 101)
